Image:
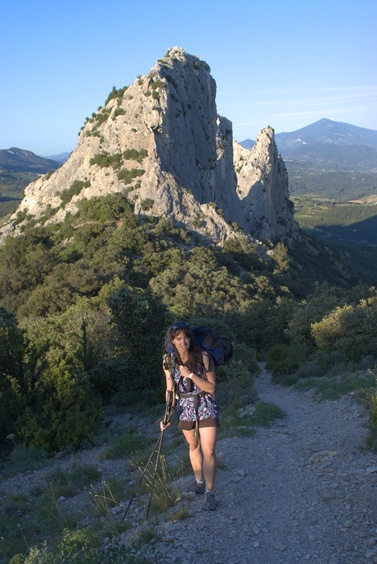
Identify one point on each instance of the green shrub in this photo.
(21, 215)
(127, 176)
(266, 413)
(332, 387)
(247, 356)
(349, 330)
(12, 351)
(101, 116)
(146, 204)
(104, 160)
(236, 378)
(158, 84)
(140, 320)
(80, 545)
(62, 410)
(116, 93)
(283, 360)
(24, 458)
(109, 376)
(67, 195)
(135, 155)
(118, 112)
(105, 208)
(70, 481)
(235, 385)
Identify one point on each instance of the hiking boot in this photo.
(199, 487)
(209, 501)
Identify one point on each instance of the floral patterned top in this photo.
(187, 409)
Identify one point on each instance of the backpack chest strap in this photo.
(191, 395)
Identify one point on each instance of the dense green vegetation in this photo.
(341, 186)
(348, 223)
(85, 304)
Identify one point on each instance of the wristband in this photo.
(191, 375)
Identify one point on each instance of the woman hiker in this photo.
(190, 376)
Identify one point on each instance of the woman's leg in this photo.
(208, 436)
(195, 453)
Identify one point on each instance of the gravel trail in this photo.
(301, 490)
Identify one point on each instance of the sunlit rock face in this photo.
(161, 143)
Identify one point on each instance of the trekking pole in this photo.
(166, 419)
(142, 476)
(155, 473)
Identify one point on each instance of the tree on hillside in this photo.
(12, 350)
(141, 322)
(349, 330)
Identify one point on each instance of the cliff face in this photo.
(263, 190)
(161, 142)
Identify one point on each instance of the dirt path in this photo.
(302, 490)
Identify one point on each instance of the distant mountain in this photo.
(60, 157)
(247, 144)
(328, 132)
(330, 145)
(20, 160)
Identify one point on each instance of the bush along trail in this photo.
(303, 489)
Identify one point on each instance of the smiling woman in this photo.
(191, 378)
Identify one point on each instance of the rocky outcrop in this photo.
(263, 190)
(161, 142)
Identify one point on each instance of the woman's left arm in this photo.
(207, 384)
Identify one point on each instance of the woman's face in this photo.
(181, 343)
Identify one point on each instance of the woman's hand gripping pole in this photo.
(169, 410)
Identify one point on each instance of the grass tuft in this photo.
(128, 443)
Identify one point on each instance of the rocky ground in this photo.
(303, 489)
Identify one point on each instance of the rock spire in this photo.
(161, 143)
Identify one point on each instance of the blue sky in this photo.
(281, 63)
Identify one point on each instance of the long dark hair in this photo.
(194, 352)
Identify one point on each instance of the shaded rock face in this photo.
(263, 190)
(161, 142)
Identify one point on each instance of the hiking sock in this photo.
(199, 486)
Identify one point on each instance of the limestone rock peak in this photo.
(161, 143)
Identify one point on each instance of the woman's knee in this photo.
(192, 441)
(209, 453)
(195, 445)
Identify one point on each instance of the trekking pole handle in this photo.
(169, 405)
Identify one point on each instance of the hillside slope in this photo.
(20, 160)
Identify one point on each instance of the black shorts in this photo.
(189, 425)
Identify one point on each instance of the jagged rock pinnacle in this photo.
(161, 143)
